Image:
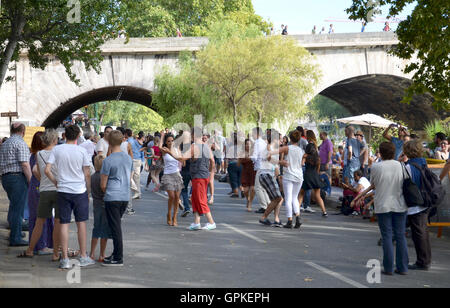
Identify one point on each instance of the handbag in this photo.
(411, 191)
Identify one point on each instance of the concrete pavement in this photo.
(240, 253)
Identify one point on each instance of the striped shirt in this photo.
(13, 153)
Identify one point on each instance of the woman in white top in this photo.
(172, 181)
(387, 178)
(292, 177)
(48, 196)
(268, 180)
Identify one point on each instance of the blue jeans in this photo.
(235, 175)
(350, 168)
(184, 192)
(307, 199)
(16, 187)
(392, 226)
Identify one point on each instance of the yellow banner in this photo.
(29, 133)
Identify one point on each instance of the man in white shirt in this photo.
(73, 183)
(88, 145)
(259, 148)
(103, 145)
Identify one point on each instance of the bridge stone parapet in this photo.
(357, 71)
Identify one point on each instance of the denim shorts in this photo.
(78, 203)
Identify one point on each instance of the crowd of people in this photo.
(58, 175)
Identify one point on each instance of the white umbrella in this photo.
(368, 119)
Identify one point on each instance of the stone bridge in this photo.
(357, 72)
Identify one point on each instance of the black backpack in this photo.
(433, 192)
(411, 192)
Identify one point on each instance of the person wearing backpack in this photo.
(387, 178)
(418, 214)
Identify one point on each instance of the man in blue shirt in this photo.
(116, 183)
(138, 156)
(403, 137)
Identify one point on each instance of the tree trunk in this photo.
(259, 118)
(16, 31)
(235, 117)
(102, 115)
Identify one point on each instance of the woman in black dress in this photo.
(311, 178)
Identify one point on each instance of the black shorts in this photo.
(78, 203)
(270, 185)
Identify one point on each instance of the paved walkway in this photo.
(241, 253)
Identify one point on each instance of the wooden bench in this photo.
(440, 225)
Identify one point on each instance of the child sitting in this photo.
(101, 228)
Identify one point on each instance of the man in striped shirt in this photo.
(15, 172)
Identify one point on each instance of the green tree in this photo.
(54, 27)
(246, 72)
(323, 108)
(128, 115)
(424, 40)
(155, 18)
(178, 96)
(146, 20)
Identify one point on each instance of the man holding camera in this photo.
(403, 137)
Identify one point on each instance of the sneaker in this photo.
(131, 212)
(64, 264)
(108, 258)
(209, 226)
(86, 262)
(355, 213)
(185, 213)
(112, 263)
(309, 210)
(417, 267)
(302, 209)
(194, 227)
(325, 215)
(265, 222)
(277, 224)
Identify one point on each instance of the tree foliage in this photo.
(178, 96)
(259, 77)
(128, 115)
(52, 27)
(154, 18)
(424, 40)
(240, 75)
(323, 108)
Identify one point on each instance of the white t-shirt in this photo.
(102, 146)
(294, 171)
(124, 147)
(387, 176)
(69, 160)
(171, 165)
(364, 182)
(89, 146)
(219, 146)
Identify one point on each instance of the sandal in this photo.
(44, 252)
(23, 255)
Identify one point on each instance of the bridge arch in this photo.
(382, 94)
(126, 93)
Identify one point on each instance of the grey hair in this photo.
(87, 134)
(49, 136)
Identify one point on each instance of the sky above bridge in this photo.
(302, 15)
